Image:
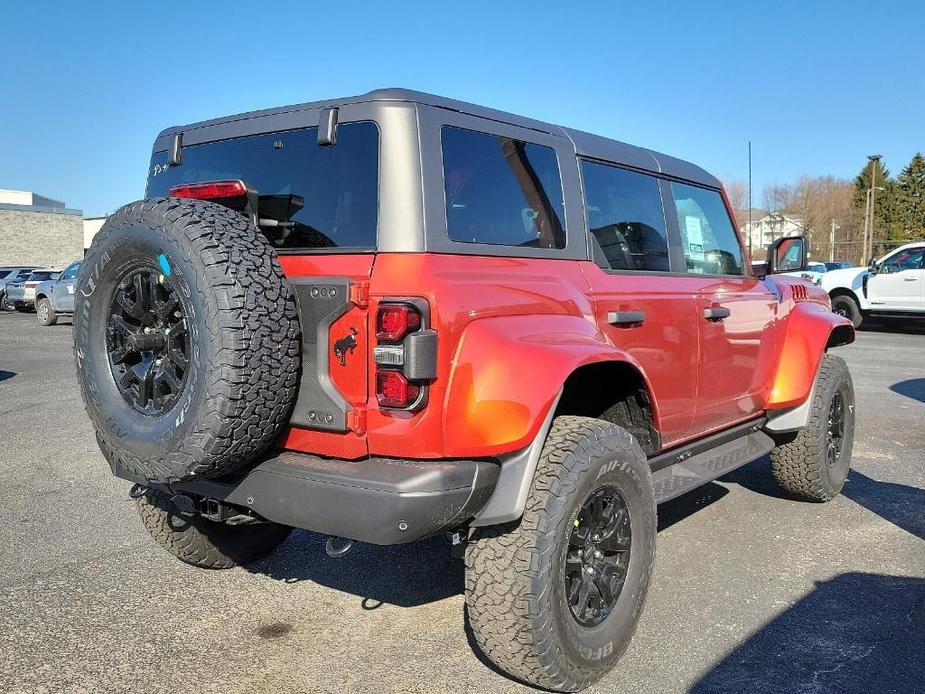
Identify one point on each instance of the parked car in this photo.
(812, 272)
(398, 315)
(20, 293)
(891, 286)
(838, 264)
(11, 273)
(55, 297)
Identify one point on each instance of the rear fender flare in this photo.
(509, 371)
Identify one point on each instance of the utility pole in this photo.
(872, 201)
(749, 198)
(832, 240)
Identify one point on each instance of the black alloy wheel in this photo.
(147, 341)
(835, 429)
(598, 556)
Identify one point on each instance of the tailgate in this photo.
(332, 295)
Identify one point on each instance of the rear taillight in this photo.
(405, 356)
(394, 391)
(209, 190)
(394, 321)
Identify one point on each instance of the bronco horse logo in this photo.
(346, 345)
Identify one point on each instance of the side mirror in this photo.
(787, 254)
(872, 266)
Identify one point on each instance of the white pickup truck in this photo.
(891, 286)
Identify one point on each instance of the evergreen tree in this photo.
(886, 225)
(910, 199)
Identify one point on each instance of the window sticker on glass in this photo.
(694, 237)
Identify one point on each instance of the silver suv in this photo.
(9, 274)
(55, 297)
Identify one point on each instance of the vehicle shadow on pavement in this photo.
(913, 388)
(908, 326)
(900, 504)
(414, 574)
(5, 375)
(404, 575)
(858, 632)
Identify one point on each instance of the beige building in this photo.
(767, 228)
(37, 230)
(91, 226)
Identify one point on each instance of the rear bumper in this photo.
(382, 501)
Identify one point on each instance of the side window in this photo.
(711, 245)
(502, 191)
(909, 259)
(71, 271)
(625, 216)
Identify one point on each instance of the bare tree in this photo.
(738, 195)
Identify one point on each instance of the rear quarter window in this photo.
(501, 191)
(318, 196)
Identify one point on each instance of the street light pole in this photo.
(869, 237)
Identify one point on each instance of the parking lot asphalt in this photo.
(752, 592)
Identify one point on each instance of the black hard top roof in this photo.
(586, 144)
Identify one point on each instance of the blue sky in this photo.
(816, 86)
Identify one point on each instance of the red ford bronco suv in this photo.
(396, 315)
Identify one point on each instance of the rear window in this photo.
(42, 276)
(501, 191)
(626, 217)
(319, 197)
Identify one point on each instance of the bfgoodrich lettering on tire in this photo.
(554, 599)
(186, 340)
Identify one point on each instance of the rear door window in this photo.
(501, 191)
(710, 242)
(625, 216)
(315, 196)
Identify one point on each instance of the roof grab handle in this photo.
(327, 127)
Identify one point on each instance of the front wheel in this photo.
(4, 304)
(812, 464)
(554, 598)
(46, 314)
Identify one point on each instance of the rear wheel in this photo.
(46, 314)
(847, 307)
(4, 304)
(554, 598)
(813, 463)
(198, 541)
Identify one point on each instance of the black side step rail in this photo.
(689, 466)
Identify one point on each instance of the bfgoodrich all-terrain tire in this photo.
(813, 463)
(202, 542)
(554, 598)
(186, 340)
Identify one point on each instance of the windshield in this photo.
(309, 195)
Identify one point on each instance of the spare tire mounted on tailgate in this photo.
(186, 340)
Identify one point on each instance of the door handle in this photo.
(626, 317)
(910, 279)
(716, 313)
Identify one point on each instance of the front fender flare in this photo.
(806, 336)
